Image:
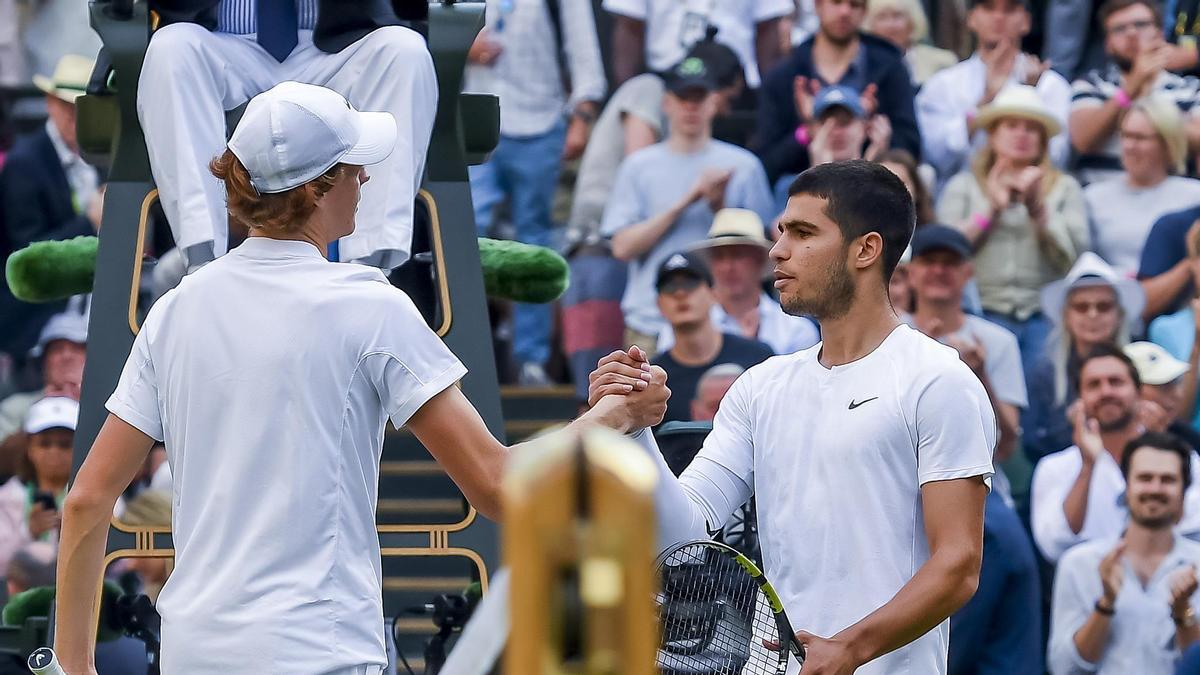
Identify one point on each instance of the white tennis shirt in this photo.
(836, 458)
(270, 375)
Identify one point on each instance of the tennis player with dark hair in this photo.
(869, 454)
(270, 375)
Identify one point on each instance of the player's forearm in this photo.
(942, 585)
(1092, 637)
(80, 569)
(1075, 505)
(633, 241)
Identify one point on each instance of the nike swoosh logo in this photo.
(854, 405)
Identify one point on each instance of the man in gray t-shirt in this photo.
(665, 195)
(940, 270)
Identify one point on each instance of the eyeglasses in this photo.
(1101, 307)
(1137, 26)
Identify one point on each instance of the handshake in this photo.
(626, 393)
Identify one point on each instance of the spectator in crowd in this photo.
(511, 58)
(633, 119)
(939, 272)
(31, 566)
(685, 298)
(711, 388)
(843, 129)
(1076, 492)
(1078, 45)
(31, 502)
(736, 253)
(665, 195)
(1092, 306)
(950, 101)
(838, 54)
(62, 349)
(206, 58)
(13, 71)
(1169, 270)
(1124, 208)
(999, 630)
(901, 163)
(1125, 603)
(1025, 218)
(47, 191)
(1165, 406)
(658, 33)
(904, 23)
(1137, 61)
(1179, 335)
(900, 291)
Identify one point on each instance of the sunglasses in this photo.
(1101, 307)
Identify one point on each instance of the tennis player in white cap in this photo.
(270, 374)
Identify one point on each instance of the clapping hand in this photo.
(1086, 433)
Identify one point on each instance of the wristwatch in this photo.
(1185, 620)
(1106, 611)
(584, 114)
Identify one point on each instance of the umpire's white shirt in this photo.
(837, 457)
(270, 375)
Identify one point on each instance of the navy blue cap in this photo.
(683, 263)
(838, 95)
(940, 237)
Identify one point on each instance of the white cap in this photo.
(54, 412)
(69, 326)
(292, 133)
(1154, 364)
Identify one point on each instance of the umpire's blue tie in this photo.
(277, 26)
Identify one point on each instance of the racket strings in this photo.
(714, 618)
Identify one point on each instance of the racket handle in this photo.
(43, 662)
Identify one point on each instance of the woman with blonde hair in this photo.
(903, 22)
(1025, 218)
(1153, 158)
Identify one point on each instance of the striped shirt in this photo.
(1098, 86)
(239, 18)
(526, 75)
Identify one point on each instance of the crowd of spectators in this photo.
(1052, 150)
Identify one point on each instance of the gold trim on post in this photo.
(449, 552)
(439, 260)
(136, 281)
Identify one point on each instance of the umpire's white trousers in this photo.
(192, 76)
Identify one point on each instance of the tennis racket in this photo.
(719, 615)
(43, 662)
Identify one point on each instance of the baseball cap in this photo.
(1154, 364)
(838, 95)
(69, 326)
(940, 237)
(53, 412)
(293, 132)
(690, 73)
(682, 263)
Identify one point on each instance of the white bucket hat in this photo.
(1018, 100)
(293, 132)
(1091, 270)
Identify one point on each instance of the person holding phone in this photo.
(30, 501)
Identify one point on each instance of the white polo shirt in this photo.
(270, 375)
(837, 457)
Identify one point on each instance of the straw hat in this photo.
(735, 227)
(1018, 100)
(70, 78)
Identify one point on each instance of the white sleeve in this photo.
(765, 10)
(634, 9)
(408, 364)
(946, 149)
(1071, 607)
(621, 213)
(955, 427)
(1048, 494)
(135, 399)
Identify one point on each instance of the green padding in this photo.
(37, 601)
(46, 271)
(521, 272)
